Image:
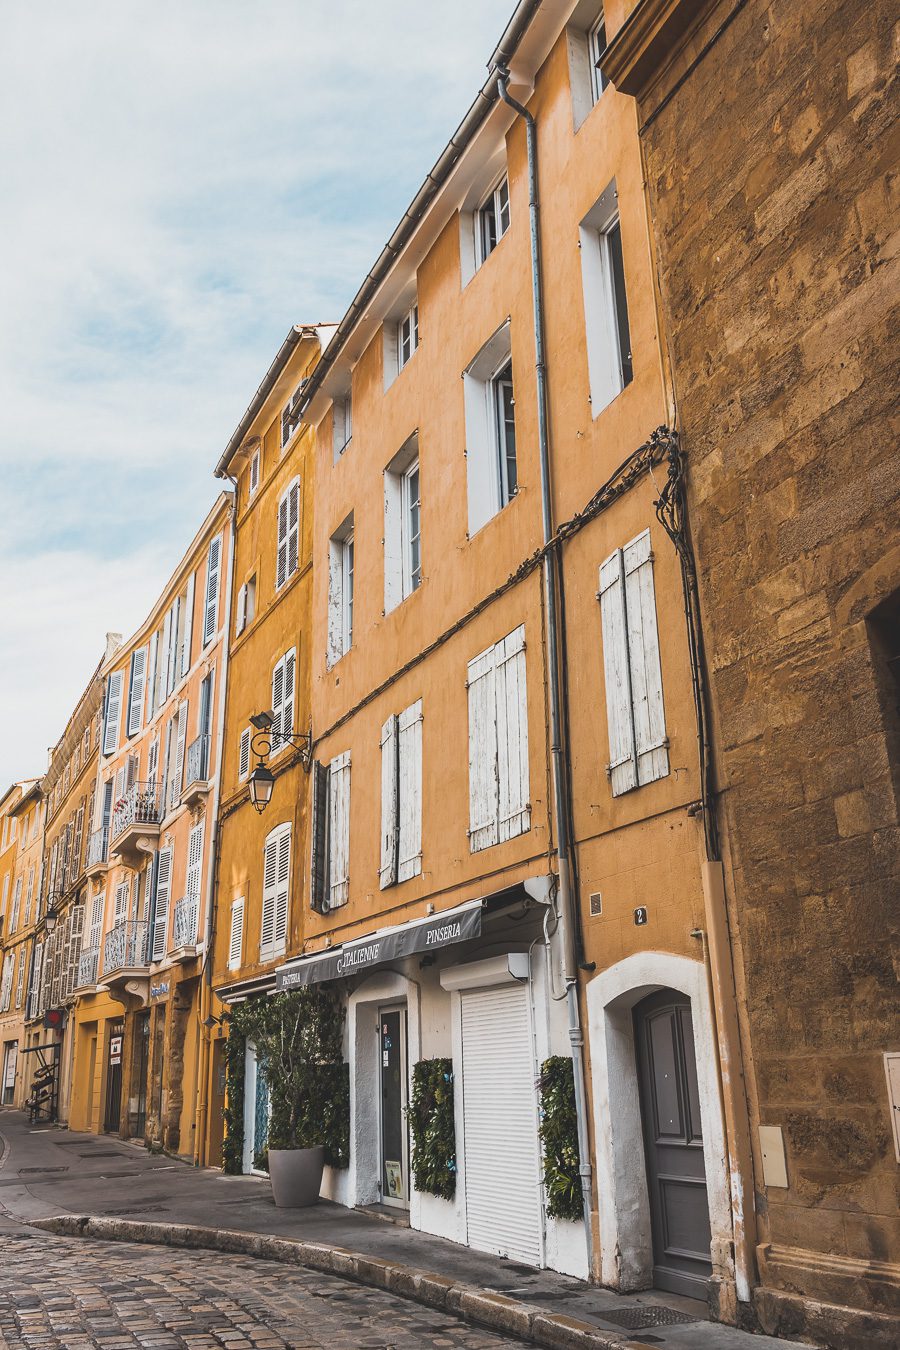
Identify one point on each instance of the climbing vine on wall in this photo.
(559, 1139)
(235, 1053)
(433, 1128)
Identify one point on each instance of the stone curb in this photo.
(497, 1312)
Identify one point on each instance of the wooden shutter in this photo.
(179, 748)
(244, 754)
(643, 656)
(512, 737)
(622, 766)
(236, 936)
(319, 878)
(76, 931)
(77, 841)
(409, 851)
(195, 861)
(240, 622)
(339, 830)
(96, 921)
(276, 884)
(152, 659)
(277, 703)
(282, 889)
(112, 711)
(162, 683)
(188, 626)
(211, 603)
(161, 905)
(293, 540)
(16, 905)
(174, 670)
(254, 472)
(483, 787)
(20, 977)
(287, 706)
(120, 910)
(153, 762)
(136, 689)
(389, 802)
(281, 556)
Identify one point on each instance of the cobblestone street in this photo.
(58, 1292)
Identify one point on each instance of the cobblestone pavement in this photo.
(68, 1293)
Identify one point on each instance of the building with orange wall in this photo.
(21, 839)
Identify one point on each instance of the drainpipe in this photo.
(201, 1113)
(551, 562)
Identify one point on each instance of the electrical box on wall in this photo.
(892, 1070)
(596, 904)
(771, 1141)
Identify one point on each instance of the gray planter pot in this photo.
(296, 1176)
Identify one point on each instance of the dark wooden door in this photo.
(673, 1144)
(112, 1118)
(392, 1046)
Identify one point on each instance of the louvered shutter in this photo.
(483, 787)
(293, 542)
(244, 754)
(254, 472)
(96, 922)
(6, 984)
(77, 841)
(34, 988)
(211, 602)
(282, 890)
(151, 675)
(165, 661)
(240, 621)
(188, 626)
(112, 712)
(131, 771)
(622, 767)
(76, 932)
(409, 852)
(281, 556)
(389, 798)
(270, 886)
(16, 905)
(161, 903)
(120, 785)
(643, 654)
(153, 763)
(512, 737)
(136, 689)
(319, 878)
(236, 936)
(339, 830)
(174, 670)
(120, 910)
(179, 750)
(287, 706)
(277, 703)
(20, 977)
(195, 861)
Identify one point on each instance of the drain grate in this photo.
(31, 1171)
(104, 1153)
(642, 1315)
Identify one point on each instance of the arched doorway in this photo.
(673, 1143)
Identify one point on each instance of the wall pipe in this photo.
(558, 757)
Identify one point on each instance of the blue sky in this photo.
(181, 183)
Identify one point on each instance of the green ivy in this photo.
(559, 1137)
(433, 1128)
(235, 1053)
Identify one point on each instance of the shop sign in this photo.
(115, 1049)
(160, 990)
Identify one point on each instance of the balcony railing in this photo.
(88, 965)
(98, 843)
(125, 946)
(184, 933)
(139, 806)
(197, 761)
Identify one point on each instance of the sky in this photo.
(180, 183)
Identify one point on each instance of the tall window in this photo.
(610, 364)
(401, 796)
(596, 48)
(499, 805)
(276, 892)
(407, 335)
(288, 552)
(283, 686)
(341, 561)
(402, 526)
(290, 415)
(493, 219)
(253, 480)
(491, 468)
(331, 834)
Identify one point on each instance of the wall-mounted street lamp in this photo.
(51, 917)
(262, 779)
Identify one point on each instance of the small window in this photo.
(407, 336)
(340, 592)
(596, 48)
(610, 364)
(290, 415)
(246, 605)
(343, 425)
(493, 219)
(253, 481)
(491, 465)
(402, 526)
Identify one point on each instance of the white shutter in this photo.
(211, 603)
(161, 909)
(96, 930)
(282, 890)
(136, 698)
(236, 936)
(290, 679)
(76, 847)
(622, 767)
(643, 654)
(240, 622)
(153, 762)
(20, 977)
(6, 984)
(179, 749)
(276, 884)
(503, 1212)
(151, 676)
(512, 736)
(389, 774)
(113, 711)
(188, 626)
(293, 540)
(195, 861)
(165, 661)
(254, 473)
(277, 703)
(120, 912)
(409, 859)
(281, 556)
(483, 787)
(16, 905)
(339, 832)
(174, 670)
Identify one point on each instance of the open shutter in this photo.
(282, 890)
(293, 541)
(16, 905)
(96, 921)
(195, 861)
(409, 853)
(244, 754)
(512, 737)
(153, 763)
(339, 830)
(179, 751)
(389, 802)
(643, 654)
(152, 660)
(77, 842)
(174, 671)
(622, 767)
(236, 936)
(277, 702)
(112, 712)
(319, 878)
(136, 695)
(483, 788)
(162, 682)
(270, 880)
(161, 905)
(188, 626)
(120, 912)
(211, 604)
(240, 622)
(287, 706)
(281, 557)
(254, 472)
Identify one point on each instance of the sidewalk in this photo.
(48, 1172)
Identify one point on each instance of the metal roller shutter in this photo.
(502, 1172)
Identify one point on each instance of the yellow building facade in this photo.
(21, 836)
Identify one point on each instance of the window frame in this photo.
(492, 208)
(599, 83)
(410, 535)
(410, 318)
(605, 294)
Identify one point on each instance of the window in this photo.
(638, 750)
(407, 336)
(244, 754)
(136, 679)
(66, 774)
(112, 711)
(290, 416)
(76, 761)
(253, 478)
(331, 834)
(283, 681)
(586, 44)
(211, 599)
(288, 553)
(402, 526)
(246, 605)
(276, 892)
(343, 425)
(5, 890)
(610, 366)
(161, 899)
(596, 48)
(16, 905)
(499, 806)
(401, 796)
(493, 219)
(20, 976)
(340, 592)
(236, 936)
(491, 468)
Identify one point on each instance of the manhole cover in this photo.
(32, 1170)
(646, 1315)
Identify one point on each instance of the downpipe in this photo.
(550, 565)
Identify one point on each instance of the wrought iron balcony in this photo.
(184, 928)
(97, 850)
(196, 770)
(136, 816)
(125, 947)
(88, 967)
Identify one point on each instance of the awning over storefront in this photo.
(390, 944)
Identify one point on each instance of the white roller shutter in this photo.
(502, 1158)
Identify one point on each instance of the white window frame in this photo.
(342, 411)
(407, 336)
(401, 577)
(596, 40)
(253, 472)
(487, 478)
(610, 369)
(494, 206)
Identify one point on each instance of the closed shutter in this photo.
(244, 754)
(161, 905)
(283, 681)
(179, 751)
(319, 878)
(211, 602)
(112, 712)
(76, 931)
(512, 737)
(29, 896)
(152, 659)
(483, 786)
(643, 654)
(188, 626)
(240, 621)
(174, 646)
(281, 555)
(136, 689)
(622, 766)
(34, 988)
(96, 922)
(131, 771)
(339, 830)
(20, 977)
(120, 785)
(236, 936)
(282, 890)
(6, 983)
(77, 841)
(153, 763)
(409, 852)
(389, 776)
(293, 540)
(276, 889)
(503, 1211)
(120, 911)
(195, 861)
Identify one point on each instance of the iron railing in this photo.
(98, 843)
(125, 946)
(88, 967)
(184, 929)
(139, 806)
(197, 761)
